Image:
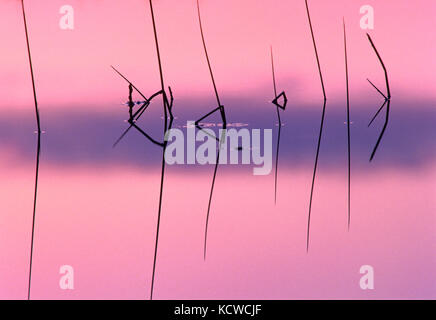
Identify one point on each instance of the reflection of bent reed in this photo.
(38, 149)
(320, 128)
(387, 101)
(168, 115)
(221, 140)
(134, 117)
(279, 106)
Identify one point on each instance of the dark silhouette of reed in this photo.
(348, 127)
(134, 116)
(221, 140)
(279, 106)
(387, 100)
(38, 149)
(320, 128)
(168, 123)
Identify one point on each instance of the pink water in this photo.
(102, 222)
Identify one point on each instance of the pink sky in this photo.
(72, 67)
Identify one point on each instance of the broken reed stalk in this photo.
(278, 107)
(38, 149)
(134, 117)
(387, 101)
(221, 109)
(165, 143)
(320, 129)
(168, 115)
